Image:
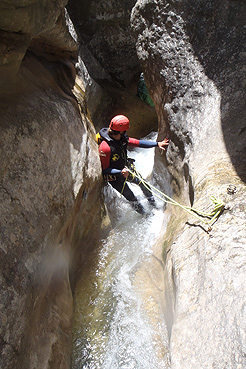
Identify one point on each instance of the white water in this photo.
(113, 330)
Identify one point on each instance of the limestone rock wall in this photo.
(50, 185)
(108, 63)
(192, 56)
(37, 25)
(106, 39)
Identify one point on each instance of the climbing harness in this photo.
(219, 205)
(132, 174)
(132, 166)
(109, 178)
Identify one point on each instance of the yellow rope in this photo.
(123, 187)
(219, 205)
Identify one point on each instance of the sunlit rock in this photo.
(50, 185)
(191, 53)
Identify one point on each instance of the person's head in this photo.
(118, 126)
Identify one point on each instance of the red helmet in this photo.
(119, 123)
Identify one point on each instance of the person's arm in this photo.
(104, 153)
(148, 144)
(110, 170)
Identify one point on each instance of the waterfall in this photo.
(117, 319)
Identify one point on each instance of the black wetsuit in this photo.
(113, 155)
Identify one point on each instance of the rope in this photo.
(219, 205)
(123, 187)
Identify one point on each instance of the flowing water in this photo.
(118, 322)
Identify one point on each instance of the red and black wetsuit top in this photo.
(113, 153)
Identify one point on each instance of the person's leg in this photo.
(122, 187)
(145, 189)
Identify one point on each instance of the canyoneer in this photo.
(113, 142)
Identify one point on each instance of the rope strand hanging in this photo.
(218, 208)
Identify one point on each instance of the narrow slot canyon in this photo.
(86, 281)
(119, 299)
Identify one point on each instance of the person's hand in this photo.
(163, 144)
(125, 172)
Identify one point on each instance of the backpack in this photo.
(99, 138)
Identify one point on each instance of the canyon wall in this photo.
(192, 55)
(50, 184)
(109, 65)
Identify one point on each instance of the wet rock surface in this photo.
(189, 52)
(192, 56)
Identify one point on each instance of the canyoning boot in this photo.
(138, 207)
(152, 202)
